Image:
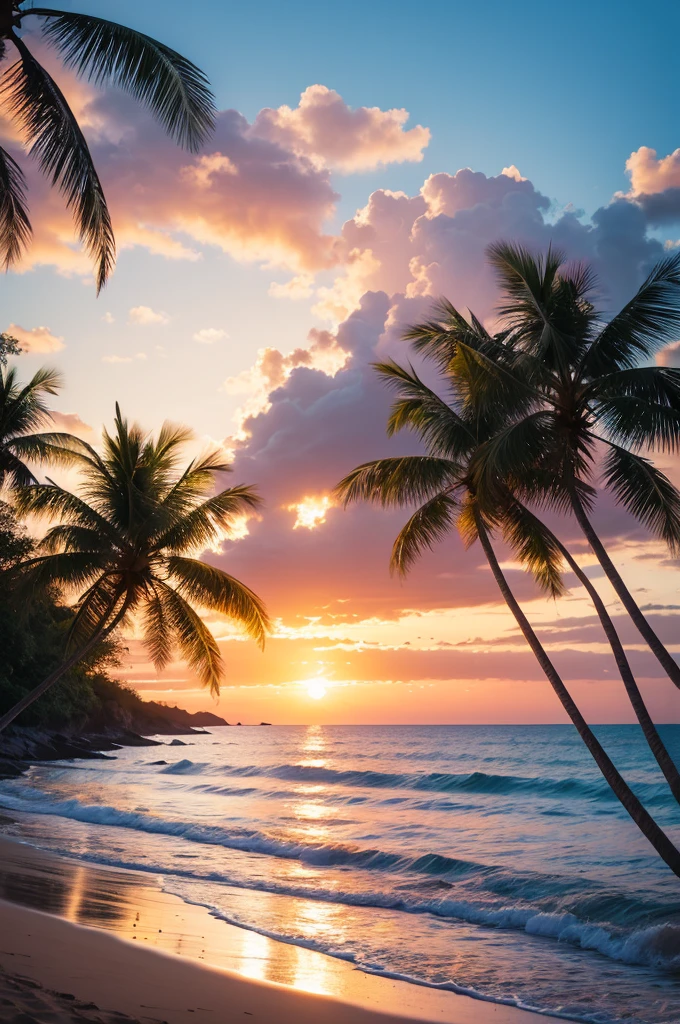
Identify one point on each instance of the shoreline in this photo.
(112, 937)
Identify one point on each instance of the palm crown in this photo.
(173, 88)
(23, 410)
(125, 545)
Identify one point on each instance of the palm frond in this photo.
(646, 492)
(426, 527)
(175, 90)
(640, 407)
(212, 588)
(15, 226)
(206, 524)
(535, 546)
(53, 502)
(645, 324)
(398, 481)
(420, 409)
(56, 140)
(158, 630)
(194, 640)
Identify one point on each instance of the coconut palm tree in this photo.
(580, 394)
(23, 410)
(173, 88)
(126, 545)
(491, 373)
(443, 486)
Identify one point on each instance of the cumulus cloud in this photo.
(650, 173)
(251, 197)
(37, 339)
(272, 368)
(209, 335)
(434, 243)
(669, 356)
(145, 315)
(331, 134)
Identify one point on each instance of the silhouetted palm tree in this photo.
(22, 411)
(580, 393)
(125, 546)
(442, 484)
(173, 88)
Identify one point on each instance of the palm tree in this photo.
(125, 544)
(173, 88)
(22, 411)
(580, 393)
(442, 484)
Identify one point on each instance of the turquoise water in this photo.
(491, 860)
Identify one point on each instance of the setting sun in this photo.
(317, 689)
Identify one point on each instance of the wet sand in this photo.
(108, 945)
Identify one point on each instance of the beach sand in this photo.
(83, 943)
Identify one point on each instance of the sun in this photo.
(317, 689)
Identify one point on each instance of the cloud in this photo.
(144, 316)
(109, 318)
(251, 197)
(669, 356)
(209, 335)
(331, 134)
(71, 423)
(124, 359)
(38, 339)
(272, 369)
(650, 174)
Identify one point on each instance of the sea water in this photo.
(490, 860)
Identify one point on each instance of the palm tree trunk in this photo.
(665, 659)
(41, 688)
(642, 818)
(656, 744)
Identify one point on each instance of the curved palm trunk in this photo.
(665, 659)
(55, 676)
(644, 821)
(656, 744)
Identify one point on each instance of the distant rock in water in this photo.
(154, 763)
(177, 743)
(265, 723)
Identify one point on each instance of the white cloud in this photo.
(38, 339)
(109, 318)
(208, 335)
(124, 359)
(145, 315)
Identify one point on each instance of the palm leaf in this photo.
(15, 227)
(194, 640)
(426, 527)
(640, 407)
(206, 523)
(535, 546)
(398, 481)
(174, 89)
(645, 324)
(420, 409)
(59, 145)
(210, 587)
(646, 492)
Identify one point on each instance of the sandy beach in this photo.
(91, 944)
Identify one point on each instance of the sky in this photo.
(364, 157)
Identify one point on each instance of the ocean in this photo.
(491, 860)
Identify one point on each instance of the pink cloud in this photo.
(669, 356)
(37, 339)
(331, 134)
(650, 174)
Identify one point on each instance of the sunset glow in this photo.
(311, 512)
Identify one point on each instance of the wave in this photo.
(438, 782)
